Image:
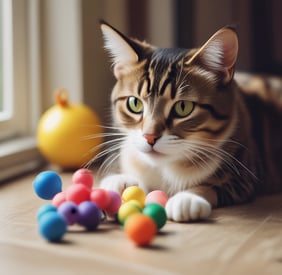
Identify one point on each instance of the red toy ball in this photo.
(101, 197)
(83, 176)
(78, 193)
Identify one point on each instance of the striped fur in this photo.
(223, 150)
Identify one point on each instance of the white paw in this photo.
(118, 182)
(185, 206)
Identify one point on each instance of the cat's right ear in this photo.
(219, 54)
(123, 50)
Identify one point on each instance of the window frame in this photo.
(7, 66)
(6, 59)
(15, 70)
(18, 148)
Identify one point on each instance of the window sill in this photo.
(19, 156)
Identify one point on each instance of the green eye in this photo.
(134, 105)
(183, 108)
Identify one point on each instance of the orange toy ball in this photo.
(141, 229)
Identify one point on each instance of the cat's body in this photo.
(185, 125)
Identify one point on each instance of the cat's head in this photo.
(167, 100)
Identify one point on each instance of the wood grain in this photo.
(243, 239)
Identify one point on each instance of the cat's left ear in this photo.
(219, 54)
(124, 51)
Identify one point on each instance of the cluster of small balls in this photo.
(142, 216)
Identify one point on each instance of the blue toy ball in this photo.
(45, 209)
(52, 226)
(47, 184)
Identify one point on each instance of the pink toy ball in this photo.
(115, 203)
(83, 176)
(101, 197)
(59, 199)
(78, 193)
(157, 196)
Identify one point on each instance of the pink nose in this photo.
(151, 138)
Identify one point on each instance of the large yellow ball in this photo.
(68, 134)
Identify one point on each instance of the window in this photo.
(6, 92)
(18, 79)
(14, 74)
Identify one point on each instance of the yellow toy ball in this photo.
(67, 134)
(134, 193)
(126, 210)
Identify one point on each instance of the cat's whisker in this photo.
(231, 141)
(224, 156)
(113, 143)
(111, 127)
(112, 157)
(198, 160)
(219, 154)
(108, 145)
(213, 152)
(107, 165)
(102, 135)
(196, 157)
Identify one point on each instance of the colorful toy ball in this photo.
(141, 229)
(134, 193)
(157, 196)
(126, 210)
(89, 215)
(83, 176)
(69, 211)
(59, 198)
(47, 184)
(157, 213)
(101, 197)
(115, 202)
(45, 209)
(78, 193)
(52, 226)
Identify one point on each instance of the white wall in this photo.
(61, 48)
(162, 23)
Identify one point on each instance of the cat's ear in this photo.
(124, 51)
(219, 54)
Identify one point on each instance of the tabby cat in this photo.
(186, 127)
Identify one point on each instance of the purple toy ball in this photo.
(69, 211)
(115, 203)
(89, 215)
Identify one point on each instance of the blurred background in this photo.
(47, 44)
(165, 23)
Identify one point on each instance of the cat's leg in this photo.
(191, 205)
(119, 182)
(186, 206)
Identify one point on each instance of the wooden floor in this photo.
(236, 240)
